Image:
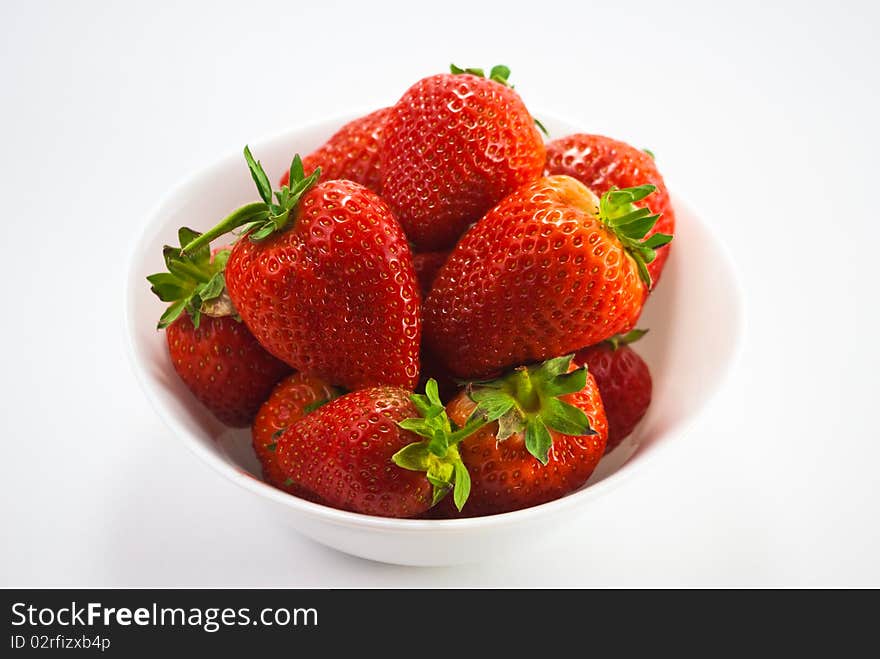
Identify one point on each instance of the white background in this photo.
(764, 117)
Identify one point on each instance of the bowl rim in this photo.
(133, 281)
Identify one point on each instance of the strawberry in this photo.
(211, 350)
(536, 434)
(453, 146)
(427, 265)
(351, 153)
(547, 271)
(324, 279)
(293, 398)
(601, 163)
(624, 383)
(343, 452)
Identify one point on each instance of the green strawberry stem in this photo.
(261, 219)
(625, 339)
(194, 282)
(523, 390)
(254, 212)
(631, 224)
(528, 401)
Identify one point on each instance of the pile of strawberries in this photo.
(440, 246)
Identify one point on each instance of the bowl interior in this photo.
(694, 316)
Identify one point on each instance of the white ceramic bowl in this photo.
(694, 315)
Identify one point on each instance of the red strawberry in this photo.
(601, 163)
(351, 153)
(547, 271)
(624, 383)
(224, 366)
(211, 350)
(293, 398)
(427, 265)
(453, 146)
(342, 452)
(541, 431)
(325, 281)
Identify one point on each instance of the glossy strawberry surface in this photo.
(342, 453)
(600, 162)
(333, 294)
(539, 276)
(506, 477)
(453, 146)
(224, 366)
(351, 153)
(624, 382)
(289, 402)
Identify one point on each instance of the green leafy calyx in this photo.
(194, 282)
(499, 73)
(528, 401)
(541, 127)
(625, 339)
(261, 219)
(631, 224)
(437, 454)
